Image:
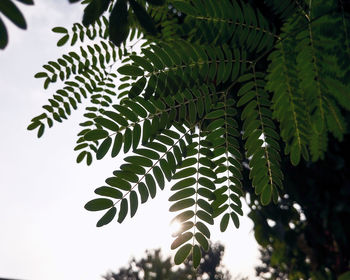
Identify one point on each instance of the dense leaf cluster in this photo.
(212, 90)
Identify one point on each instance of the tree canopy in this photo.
(154, 266)
(218, 88)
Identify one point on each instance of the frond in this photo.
(169, 68)
(229, 22)
(261, 138)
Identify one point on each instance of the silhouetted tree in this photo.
(154, 266)
(307, 234)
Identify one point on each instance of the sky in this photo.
(45, 233)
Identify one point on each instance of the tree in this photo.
(216, 88)
(312, 241)
(153, 266)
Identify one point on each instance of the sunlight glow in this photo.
(175, 227)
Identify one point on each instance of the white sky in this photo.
(44, 231)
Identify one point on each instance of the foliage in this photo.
(214, 85)
(10, 10)
(153, 266)
(306, 235)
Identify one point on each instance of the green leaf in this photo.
(110, 192)
(235, 219)
(182, 204)
(107, 218)
(98, 204)
(182, 194)
(151, 184)
(133, 203)
(185, 173)
(202, 240)
(266, 195)
(156, 2)
(117, 144)
(143, 192)
(127, 140)
(147, 153)
(182, 254)
(4, 35)
(136, 136)
(103, 148)
(123, 210)
(143, 17)
(94, 10)
(130, 70)
(203, 229)
(10, 10)
(215, 114)
(181, 239)
(138, 160)
(205, 217)
(184, 184)
(206, 183)
(107, 123)
(60, 30)
(196, 256)
(63, 40)
(158, 174)
(184, 216)
(118, 183)
(118, 23)
(96, 134)
(224, 222)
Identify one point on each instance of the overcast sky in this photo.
(44, 231)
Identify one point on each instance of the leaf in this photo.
(182, 254)
(118, 23)
(123, 210)
(203, 229)
(235, 219)
(60, 30)
(202, 240)
(205, 217)
(4, 35)
(224, 222)
(184, 184)
(156, 2)
(143, 17)
(98, 204)
(118, 183)
(96, 134)
(133, 203)
(94, 10)
(103, 148)
(266, 195)
(138, 160)
(196, 256)
(143, 192)
(185, 173)
(110, 192)
(63, 40)
(107, 123)
(117, 144)
(130, 70)
(215, 114)
(10, 10)
(182, 194)
(151, 185)
(181, 239)
(182, 204)
(107, 218)
(157, 172)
